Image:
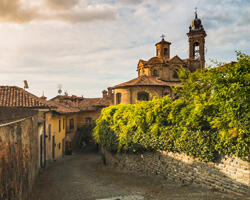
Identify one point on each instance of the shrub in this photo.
(209, 119)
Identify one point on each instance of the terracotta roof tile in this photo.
(76, 104)
(63, 109)
(13, 96)
(89, 104)
(146, 81)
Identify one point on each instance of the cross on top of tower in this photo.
(163, 36)
(196, 9)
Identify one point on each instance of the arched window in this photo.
(118, 98)
(196, 50)
(175, 74)
(165, 51)
(142, 96)
(155, 72)
(158, 52)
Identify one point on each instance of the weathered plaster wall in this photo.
(230, 174)
(19, 158)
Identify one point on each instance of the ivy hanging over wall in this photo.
(208, 120)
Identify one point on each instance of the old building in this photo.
(78, 112)
(157, 75)
(16, 97)
(51, 131)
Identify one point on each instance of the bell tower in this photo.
(163, 48)
(196, 39)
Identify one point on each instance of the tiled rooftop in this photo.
(76, 104)
(145, 81)
(13, 96)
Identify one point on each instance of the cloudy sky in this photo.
(89, 45)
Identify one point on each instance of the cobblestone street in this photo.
(82, 176)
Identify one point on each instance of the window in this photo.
(59, 125)
(49, 127)
(59, 146)
(88, 120)
(71, 123)
(165, 52)
(175, 74)
(63, 123)
(118, 98)
(142, 96)
(196, 50)
(155, 72)
(158, 52)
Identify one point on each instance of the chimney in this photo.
(26, 86)
(110, 91)
(104, 93)
(43, 97)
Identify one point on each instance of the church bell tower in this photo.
(196, 39)
(163, 48)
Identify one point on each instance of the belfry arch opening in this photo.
(196, 50)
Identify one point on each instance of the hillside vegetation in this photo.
(208, 120)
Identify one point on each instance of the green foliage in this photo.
(85, 133)
(209, 119)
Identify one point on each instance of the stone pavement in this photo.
(82, 176)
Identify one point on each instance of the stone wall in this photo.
(19, 156)
(230, 174)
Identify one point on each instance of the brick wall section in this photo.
(10, 114)
(18, 158)
(230, 174)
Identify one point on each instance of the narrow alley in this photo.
(82, 176)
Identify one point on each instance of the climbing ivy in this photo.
(209, 119)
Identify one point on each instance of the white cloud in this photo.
(73, 11)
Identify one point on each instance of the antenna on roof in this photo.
(59, 89)
(26, 86)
